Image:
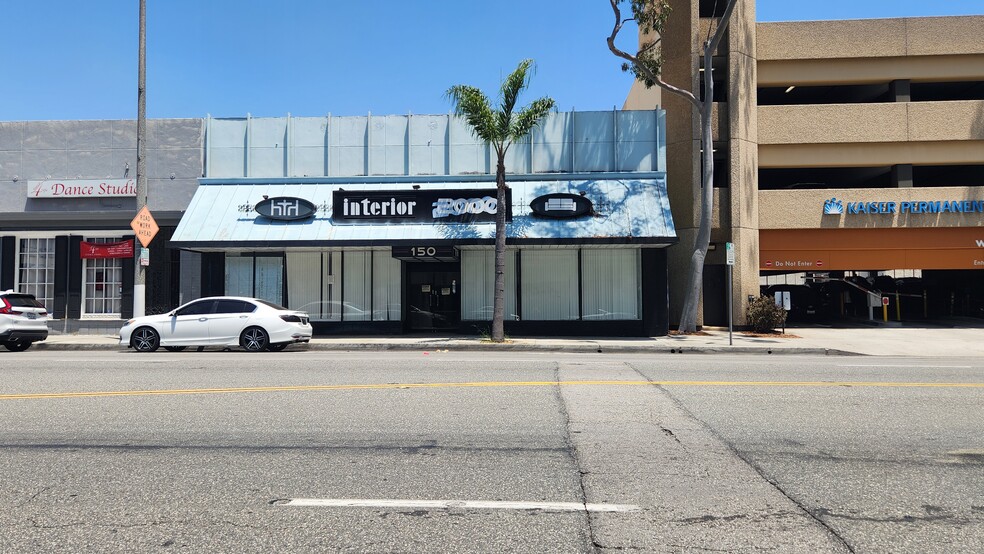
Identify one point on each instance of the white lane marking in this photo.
(458, 504)
(910, 366)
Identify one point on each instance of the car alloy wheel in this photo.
(17, 346)
(254, 339)
(145, 339)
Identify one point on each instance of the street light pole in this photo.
(140, 276)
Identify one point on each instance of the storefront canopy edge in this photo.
(222, 216)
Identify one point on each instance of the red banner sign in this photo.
(93, 250)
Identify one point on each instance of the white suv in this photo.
(23, 320)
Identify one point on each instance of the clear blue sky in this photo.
(64, 59)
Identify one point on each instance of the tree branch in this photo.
(634, 60)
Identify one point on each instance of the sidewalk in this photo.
(816, 341)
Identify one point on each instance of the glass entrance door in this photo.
(433, 296)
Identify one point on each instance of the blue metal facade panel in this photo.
(441, 145)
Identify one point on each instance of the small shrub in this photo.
(764, 315)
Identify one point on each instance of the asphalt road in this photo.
(233, 452)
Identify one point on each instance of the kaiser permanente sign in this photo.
(81, 188)
(836, 207)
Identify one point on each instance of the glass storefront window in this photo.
(102, 285)
(610, 284)
(478, 281)
(36, 269)
(255, 276)
(549, 285)
(368, 286)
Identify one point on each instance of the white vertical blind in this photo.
(549, 285)
(304, 281)
(386, 286)
(357, 288)
(238, 275)
(610, 284)
(269, 278)
(478, 283)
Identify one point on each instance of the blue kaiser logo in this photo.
(833, 207)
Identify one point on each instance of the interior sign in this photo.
(837, 207)
(417, 206)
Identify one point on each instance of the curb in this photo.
(458, 347)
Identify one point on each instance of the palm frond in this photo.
(515, 83)
(530, 116)
(472, 104)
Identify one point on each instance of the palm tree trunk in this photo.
(499, 295)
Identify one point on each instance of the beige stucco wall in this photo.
(843, 71)
(803, 209)
(872, 123)
(871, 154)
(870, 38)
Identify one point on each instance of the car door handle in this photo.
(243, 316)
(203, 319)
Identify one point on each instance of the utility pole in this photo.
(140, 276)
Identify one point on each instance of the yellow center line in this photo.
(486, 384)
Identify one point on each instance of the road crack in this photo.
(755, 467)
(572, 453)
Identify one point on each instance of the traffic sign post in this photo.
(885, 308)
(729, 249)
(145, 228)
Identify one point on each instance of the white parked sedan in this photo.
(252, 323)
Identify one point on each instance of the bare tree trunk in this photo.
(499, 296)
(688, 319)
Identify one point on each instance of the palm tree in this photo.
(500, 127)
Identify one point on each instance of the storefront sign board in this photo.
(81, 188)
(95, 251)
(417, 206)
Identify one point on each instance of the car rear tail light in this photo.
(291, 318)
(7, 308)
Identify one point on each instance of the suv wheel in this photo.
(17, 346)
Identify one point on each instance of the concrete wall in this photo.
(864, 123)
(38, 150)
(870, 38)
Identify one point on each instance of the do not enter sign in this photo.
(884, 301)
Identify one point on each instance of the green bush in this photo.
(764, 315)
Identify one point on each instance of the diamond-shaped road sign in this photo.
(144, 226)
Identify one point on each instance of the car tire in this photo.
(175, 348)
(278, 347)
(145, 339)
(17, 346)
(254, 339)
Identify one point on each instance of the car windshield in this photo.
(271, 304)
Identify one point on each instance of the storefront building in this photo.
(849, 160)
(386, 224)
(69, 190)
